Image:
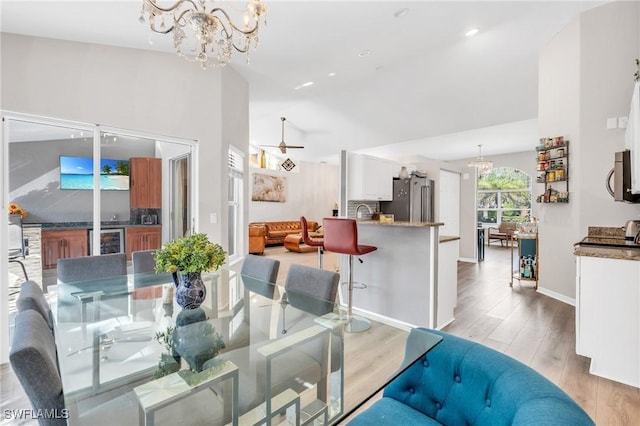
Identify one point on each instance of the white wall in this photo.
(311, 193)
(131, 89)
(585, 76)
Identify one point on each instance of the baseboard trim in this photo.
(383, 319)
(468, 259)
(555, 295)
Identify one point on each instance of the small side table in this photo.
(172, 388)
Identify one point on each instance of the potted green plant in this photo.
(186, 258)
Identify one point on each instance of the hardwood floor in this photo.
(538, 331)
(533, 328)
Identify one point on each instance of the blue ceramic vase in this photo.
(190, 289)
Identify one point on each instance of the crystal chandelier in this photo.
(480, 163)
(206, 37)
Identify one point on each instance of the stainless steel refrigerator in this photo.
(412, 200)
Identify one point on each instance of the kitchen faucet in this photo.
(365, 205)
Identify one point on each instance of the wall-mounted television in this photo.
(77, 173)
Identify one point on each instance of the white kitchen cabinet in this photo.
(369, 178)
(607, 317)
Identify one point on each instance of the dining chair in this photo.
(31, 297)
(295, 359)
(34, 361)
(259, 274)
(18, 246)
(143, 261)
(84, 274)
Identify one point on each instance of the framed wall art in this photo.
(269, 188)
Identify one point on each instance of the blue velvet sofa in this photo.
(460, 382)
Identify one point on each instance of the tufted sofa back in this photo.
(290, 226)
(460, 382)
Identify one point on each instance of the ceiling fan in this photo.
(283, 146)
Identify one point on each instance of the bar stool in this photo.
(341, 236)
(312, 242)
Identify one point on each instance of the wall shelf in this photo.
(553, 168)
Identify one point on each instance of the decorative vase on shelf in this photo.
(190, 289)
(404, 174)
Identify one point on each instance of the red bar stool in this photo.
(341, 236)
(313, 242)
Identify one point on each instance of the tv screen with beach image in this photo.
(77, 173)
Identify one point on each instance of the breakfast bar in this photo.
(401, 276)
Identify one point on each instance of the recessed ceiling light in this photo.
(472, 32)
(332, 74)
(400, 13)
(364, 53)
(307, 84)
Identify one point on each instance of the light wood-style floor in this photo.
(531, 327)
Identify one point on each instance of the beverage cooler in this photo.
(111, 241)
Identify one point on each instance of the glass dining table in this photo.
(252, 353)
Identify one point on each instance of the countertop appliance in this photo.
(412, 200)
(631, 229)
(621, 174)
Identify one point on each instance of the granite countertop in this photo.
(607, 242)
(60, 226)
(401, 223)
(447, 238)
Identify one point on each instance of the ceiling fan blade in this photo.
(295, 146)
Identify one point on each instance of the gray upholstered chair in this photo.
(31, 297)
(319, 285)
(259, 274)
(91, 271)
(91, 267)
(143, 261)
(34, 360)
(304, 360)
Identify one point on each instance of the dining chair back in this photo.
(34, 360)
(143, 261)
(259, 274)
(82, 274)
(31, 297)
(319, 286)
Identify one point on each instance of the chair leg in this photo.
(320, 253)
(24, 270)
(355, 323)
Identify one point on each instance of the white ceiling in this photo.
(425, 90)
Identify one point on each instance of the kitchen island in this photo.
(402, 274)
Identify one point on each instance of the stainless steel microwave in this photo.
(621, 174)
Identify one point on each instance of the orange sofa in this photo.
(275, 232)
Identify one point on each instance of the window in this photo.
(236, 182)
(504, 195)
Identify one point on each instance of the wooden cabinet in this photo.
(145, 182)
(143, 238)
(62, 244)
(369, 178)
